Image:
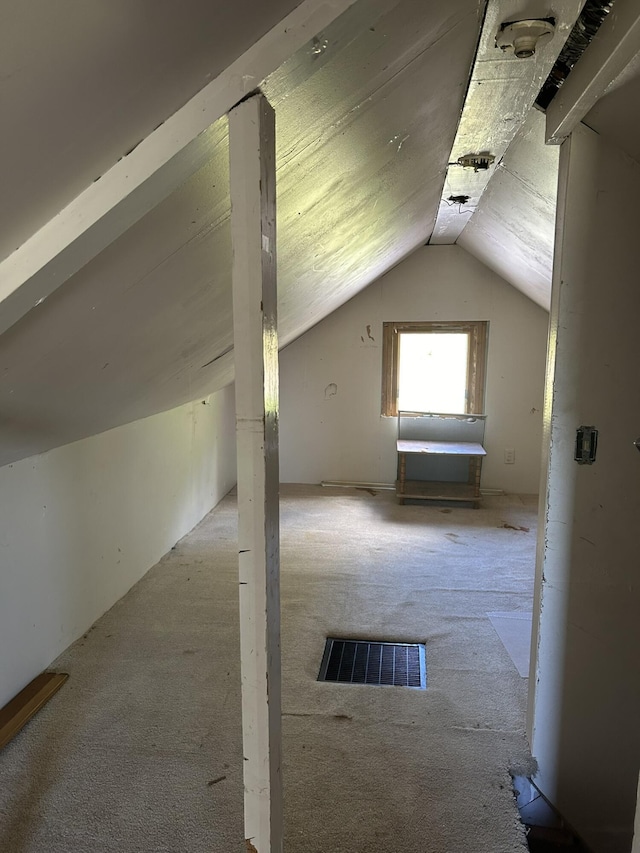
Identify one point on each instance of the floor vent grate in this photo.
(376, 663)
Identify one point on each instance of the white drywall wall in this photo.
(81, 524)
(587, 692)
(330, 378)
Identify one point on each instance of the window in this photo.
(434, 367)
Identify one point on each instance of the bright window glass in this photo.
(432, 372)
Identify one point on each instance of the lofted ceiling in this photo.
(368, 111)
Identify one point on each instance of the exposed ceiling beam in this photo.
(149, 173)
(501, 92)
(613, 47)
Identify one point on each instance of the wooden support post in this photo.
(253, 233)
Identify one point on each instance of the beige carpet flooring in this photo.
(141, 749)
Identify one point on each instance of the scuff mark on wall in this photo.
(369, 335)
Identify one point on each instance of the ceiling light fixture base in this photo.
(523, 37)
(478, 162)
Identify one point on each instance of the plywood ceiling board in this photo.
(83, 83)
(501, 92)
(146, 325)
(328, 92)
(512, 230)
(151, 171)
(132, 333)
(363, 146)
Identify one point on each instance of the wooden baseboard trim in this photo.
(17, 713)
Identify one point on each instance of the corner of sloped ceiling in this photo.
(84, 83)
(366, 119)
(513, 229)
(362, 151)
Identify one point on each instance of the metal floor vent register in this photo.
(365, 662)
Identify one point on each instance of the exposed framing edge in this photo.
(19, 710)
(614, 46)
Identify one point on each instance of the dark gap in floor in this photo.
(546, 829)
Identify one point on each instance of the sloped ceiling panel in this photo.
(512, 230)
(365, 123)
(133, 327)
(82, 83)
(363, 146)
(502, 91)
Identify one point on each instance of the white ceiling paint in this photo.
(501, 93)
(148, 174)
(512, 230)
(366, 116)
(362, 150)
(364, 132)
(82, 83)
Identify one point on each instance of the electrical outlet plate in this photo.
(586, 445)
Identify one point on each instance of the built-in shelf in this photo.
(410, 446)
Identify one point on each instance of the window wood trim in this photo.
(476, 364)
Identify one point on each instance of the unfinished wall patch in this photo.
(330, 391)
